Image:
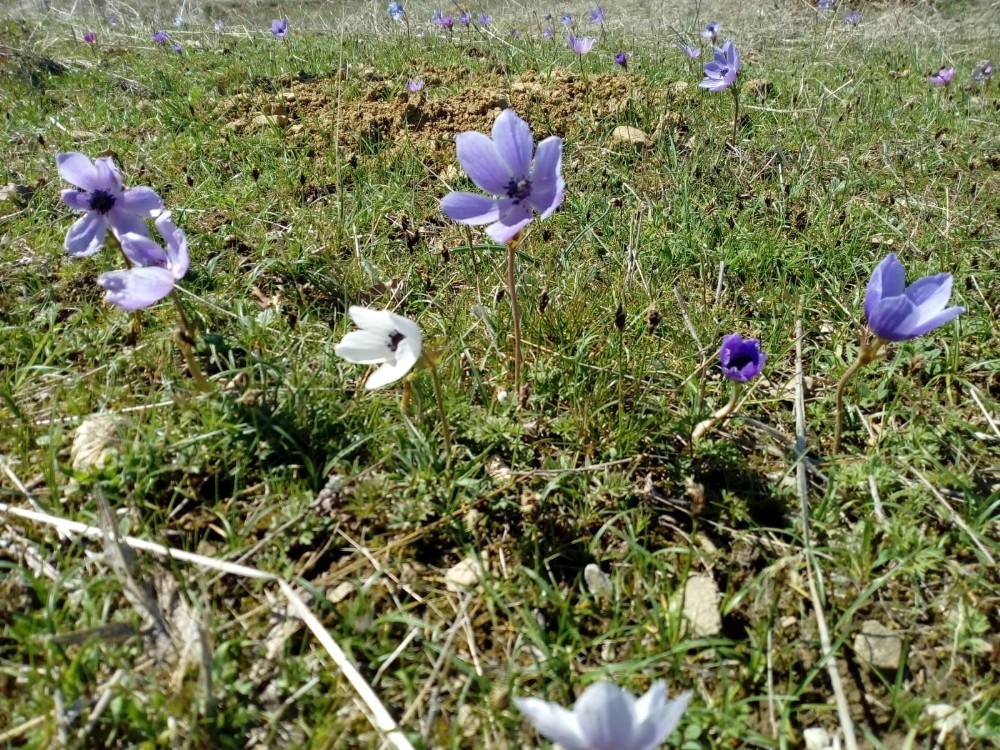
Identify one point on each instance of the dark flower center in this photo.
(394, 340)
(739, 360)
(723, 72)
(101, 201)
(518, 189)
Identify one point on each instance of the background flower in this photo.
(942, 77)
(741, 359)
(155, 271)
(853, 18)
(711, 31)
(983, 71)
(385, 339)
(897, 312)
(581, 46)
(692, 52)
(622, 58)
(721, 72)
(159, 37)
(415, 85)
(279, 28)
(597, 15)
(396, 12)
(90, 37)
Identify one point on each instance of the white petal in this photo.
(553, 721)
(379, 321)
(364, 347)
(390, 372)
(606, 715)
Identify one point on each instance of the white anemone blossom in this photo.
(606, 717)
(385, 339)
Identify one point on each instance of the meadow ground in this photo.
(308, 179)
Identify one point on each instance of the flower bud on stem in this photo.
(870, 351)
(705, 425)
(184, 338)
(430, 362)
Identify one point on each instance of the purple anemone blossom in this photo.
(853, 18)
(101, 194)
(396, 12)
(597, 15)
(983, 71)
(176, 47)
(897, 312)
(484, 20)
(722, 71)
(582, 45)
(942, 77)
(465, 19)
(90, 37)
(159, 37)
(826, 4)
(548, 32)
(446, 22)
(279, 28)
(505, 167)
(711, 31)
(415, 85)
(741, 359)
(622, 58)
(567, 19)
(155, 270)
(693, 53)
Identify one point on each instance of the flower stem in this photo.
(704, 426)
(515, 312)
(868, 353)
(736, 113)
(431, 363)
(184, 338)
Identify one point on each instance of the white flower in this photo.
(606, 717)
(385, 339)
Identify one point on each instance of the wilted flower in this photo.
(484, 19)
(547, 33)
(90, 37)
(711, 31)
(581, 46)
(606, 717)
(159, 37)
(942, 77)
(385, 339)
(465, 19)
(155, 270)
(279, 28)
(107, 203)
(692, 52)
(897, 312)
(504, 166)
(622, 58)
(852, 18)
(567, 19)
(396, 12)
(983, 71)
(721, 72)
(597, 15)
(741, 359)
(415, 85)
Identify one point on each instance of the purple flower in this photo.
(581, 46)
(415, 85)
(177, 47)
(504, 166)
(692, 52)
(436, 16)
(279, 28)
(853, 18)
(721, 72)
(106, 202)
(547, 33)
(446, 22)
(515, 34)
(484, 20)
(159, 37)
(567, 19)
(711, 31)
(396, 12)
(178, 22)
(897, 312)
(741, 358)
(597, 15)
(218, 27)
(942, 77)
(826, 4)
(113, 20)
(90, 37)
(155, 269)
(465, 19)
(622, 58)
(983, 71)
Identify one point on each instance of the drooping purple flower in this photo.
(582, 45)
(597, 15)
(548, 33)
(711, 31)
(279, 28)
(567, 19)
(942, 77)
(983, 71)
(505, 167)
(853, 18)
(101, 194)
(897, 312)
(396, 12)
(415, 85)
(159, 37)
(177, 47)
(155, 270)
(465, 19)
(90, 37)
(484, 20)
(741, 359)
(622, 58)
(692, 52)
(722, 71)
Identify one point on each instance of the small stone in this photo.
(598, 582)
(701, 606)
(817, 738)
(269, 121)
(878, 646)
(96, 440)
(463, 575)
(626, 134)
(340, 592)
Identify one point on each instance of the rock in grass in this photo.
(627, 135)
(701, 606)
(878, 646)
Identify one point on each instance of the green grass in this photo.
(288, 465)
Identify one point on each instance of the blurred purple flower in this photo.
(853, 18)
(692, 52)
(177, 47)
(436, 16)
(622, 58)
(597, 15)
(711, 31)
(826, 4)
(504, 166)
(155, 269)
(567, 19)
(484, 20)
(178, 22)
(159, 37)
(90, 37)
(465, 19)
(218, 27)
(396, 12)
(515, 34)
(942, 77)
(279, 28)
(446, 22)
(581, 46)
(741, 359)
(101, 194)
(983, 71)
(721, 72)
(897, 312)
(415, 85)
(113, 20)
(548, 33)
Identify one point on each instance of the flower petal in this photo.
(390, 372)
(606, 715)
(367, 319)
(364, 347)
(77, 169)
(142, 201)
(142, 251)
(547, 184)
(137, 287)
(928, 324)
(553, 722)
(470, 208)
(108, 175)
(888, 280)
(76, 200)
(483, 163)
(892, 318)
(122, 223)
(513, 141)
(86, 236)
(504, 230)
(930, 293)
(658, 718)
(177, 245)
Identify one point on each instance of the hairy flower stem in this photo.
(431, 363)
(184, 338)
(515, 312)
(736, 113)
(705, 425)
(869, 353)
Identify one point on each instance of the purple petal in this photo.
(142, 251)
(142, 201)
(123, 222)
(108, 175)
(79, 170)
(86, 236)
(514, 143)
(930, 293)
(892, 318)
(926, 325)
(470, 208)
(483, 163)
(547, 184)
(888, 280)
(510, 224)
(76, 200)
(553, 722)
(137, 287)
(177, 245)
